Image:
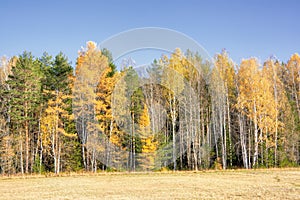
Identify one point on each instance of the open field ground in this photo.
(237, 184)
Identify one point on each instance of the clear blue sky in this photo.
(257, 28)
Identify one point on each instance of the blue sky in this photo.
(257, 28)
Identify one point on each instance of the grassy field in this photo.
(237, 184)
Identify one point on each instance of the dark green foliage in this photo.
(113, 67)
(25, 101)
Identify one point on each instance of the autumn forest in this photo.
(184, 113)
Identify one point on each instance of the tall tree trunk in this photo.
(83, 156)
(174, 145)
(214, 124)
(243, 141)
(223, 138)
(108, 155)
(26, 140)
(41, 152)
(261, 146)
(58, 155)
(83, 142)
(249, 145)
(21, 153)
(255, 156)
(229, 130)
(54, 150)
(188, 139)
(276, 113)
(133, 144)
(172, 104)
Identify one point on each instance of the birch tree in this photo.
(173, 80)
(248, 80)
(90, 65)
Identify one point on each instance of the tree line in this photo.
(183, 113)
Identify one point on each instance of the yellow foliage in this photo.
(149, 144)
(225, 71)
(147, 158)
(91, 45)
(176, 70)
(144, 119)
(52, 122)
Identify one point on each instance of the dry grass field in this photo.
(230, 184)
